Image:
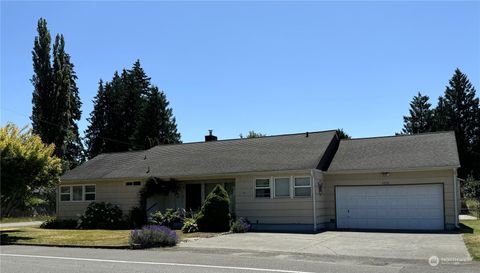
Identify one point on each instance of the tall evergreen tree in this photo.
(42, 80)
(96, 131)
(56, 102)
(459, 110)
(156, 123)
(129, 113)
(420, 119)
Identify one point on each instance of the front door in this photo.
(193, 196)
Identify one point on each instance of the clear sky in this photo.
(272, 67)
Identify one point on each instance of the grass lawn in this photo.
(23, 219)
(36, 235)
(471, 236)
(78, 237)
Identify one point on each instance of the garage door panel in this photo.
(390, 207)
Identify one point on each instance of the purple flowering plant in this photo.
(153, 236)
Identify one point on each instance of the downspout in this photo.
(455, 196)
(314, 192)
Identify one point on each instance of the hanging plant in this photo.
(154, 186)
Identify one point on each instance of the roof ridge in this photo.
(244, 139)
(401, 135)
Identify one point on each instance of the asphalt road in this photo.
(24, 259)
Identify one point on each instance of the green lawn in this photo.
(78, 237)
(471, 236)
(23, 219)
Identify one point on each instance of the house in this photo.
(303, 182)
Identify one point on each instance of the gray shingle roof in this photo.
(396, 152)
(284, 152)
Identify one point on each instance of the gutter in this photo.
(314, 193)
(455, 183)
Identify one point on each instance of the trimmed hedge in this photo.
(215, 212)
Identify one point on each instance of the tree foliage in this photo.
(156, 124)
(457, 110)
(252, 134)
(342, 134)
(129, 113)
(27, 164)
(420, 118)
(56, 102)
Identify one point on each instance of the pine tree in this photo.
(459, 110)
(96, 131)
(156, 123)
(129, 113)
(420, 119)
(42, 81)
(56, 102)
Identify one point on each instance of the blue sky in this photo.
(272, 67)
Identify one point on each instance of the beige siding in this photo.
(297, 210)
(115, 192)
(444, 177)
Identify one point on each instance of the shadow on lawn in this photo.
(465, 229)
(6, 237)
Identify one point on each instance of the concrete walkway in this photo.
(408, 246)
(21, 224)
(466, 217)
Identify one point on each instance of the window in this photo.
(282, 187)
(302, 187)
(262, 187)
(77, 193)
(89, 192)
(65, 193)
(135, 183)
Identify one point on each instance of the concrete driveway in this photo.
(409, 246)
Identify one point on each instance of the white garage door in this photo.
(408, 207)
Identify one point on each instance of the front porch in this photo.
(190, 195)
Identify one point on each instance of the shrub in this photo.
(471, 188)
(190, 225)
(55, 223)
(137, 217)
(169, 218)
(153, 236)
(215, 212)
(240, 226)
(102, 216)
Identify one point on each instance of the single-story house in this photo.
(303, 182)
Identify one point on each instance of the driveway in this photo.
(21, 224)
(409, 246)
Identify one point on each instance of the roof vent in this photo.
(210, 136)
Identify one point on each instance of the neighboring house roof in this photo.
(272, 153)
(431, 150)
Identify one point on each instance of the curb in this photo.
(72, 246)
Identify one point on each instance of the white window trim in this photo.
(309, 186)
(289, 187)
(83, 193)
(269, 187)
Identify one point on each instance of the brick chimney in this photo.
(210, 136)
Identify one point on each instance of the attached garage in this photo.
(404, 207)
(393, 183)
